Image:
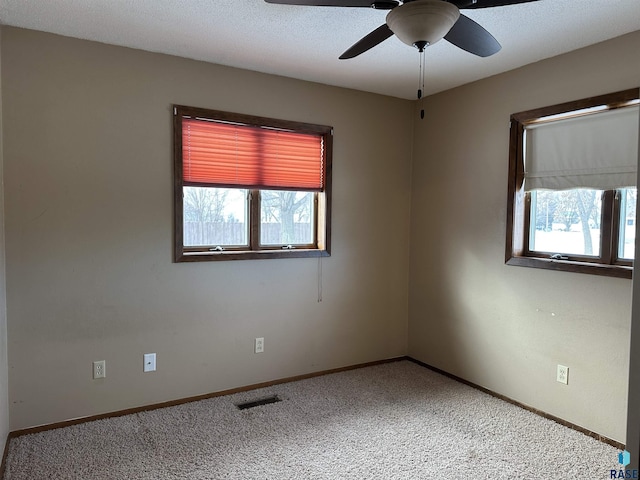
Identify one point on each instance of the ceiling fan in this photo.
(421, 23)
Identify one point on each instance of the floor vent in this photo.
(257, 403)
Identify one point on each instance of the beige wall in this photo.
(503, 327)
(89, 234)
(4, 381)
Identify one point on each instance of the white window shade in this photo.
(599, 151)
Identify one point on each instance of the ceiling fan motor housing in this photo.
(422, 21)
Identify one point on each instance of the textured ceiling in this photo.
(305, 42)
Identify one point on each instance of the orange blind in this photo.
(224, 154)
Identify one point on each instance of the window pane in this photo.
(566, 222)
(215, 216)
(627, 236)
(287, 218)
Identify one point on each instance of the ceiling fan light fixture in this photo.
(422, 21)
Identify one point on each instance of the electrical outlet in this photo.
(149, 362)
(563, 374)
(99, 369)
(259, 346)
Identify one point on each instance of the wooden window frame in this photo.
(517, 250)
(321, 247)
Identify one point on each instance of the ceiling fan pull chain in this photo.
(421, 80)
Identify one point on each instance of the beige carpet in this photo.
(392, 421)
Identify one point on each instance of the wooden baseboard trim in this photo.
(173, 403)
(120, 413)
(601, 438)
(4, 456)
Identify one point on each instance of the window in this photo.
(249, 187)
(572, 186)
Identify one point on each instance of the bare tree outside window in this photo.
(214, 216)
(286, 217)
(204, 204)
(566, 221)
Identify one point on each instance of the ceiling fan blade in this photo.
(325, 3)
(486, 3)
(470, 36)
(379, 35)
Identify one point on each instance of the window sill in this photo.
(249, 255)
(619, 271)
